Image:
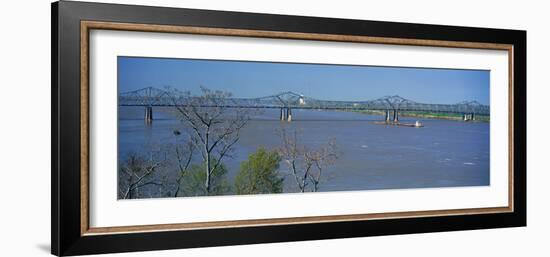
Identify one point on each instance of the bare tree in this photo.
(137, 172)
(321, 158)
(184, 155)
(215, 128)
(306, 165)
(292, 156)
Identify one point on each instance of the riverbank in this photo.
(428, 115)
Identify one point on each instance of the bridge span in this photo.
(391, 106)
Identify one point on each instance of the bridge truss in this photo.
(149, 97)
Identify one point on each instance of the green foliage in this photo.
(193, 182)
(258, 174)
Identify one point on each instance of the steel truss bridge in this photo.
(391, 105)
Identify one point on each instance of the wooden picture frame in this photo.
(71, 25)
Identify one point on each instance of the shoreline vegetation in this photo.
(429, 115)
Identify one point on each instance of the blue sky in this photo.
(326, 82)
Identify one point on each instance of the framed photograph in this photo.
(177, 128)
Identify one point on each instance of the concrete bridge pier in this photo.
(148, 114)
(388, 119)
(469, 116)
(286, 114)
(395, 116)
(289, 115)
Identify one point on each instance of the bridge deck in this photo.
(157, 97)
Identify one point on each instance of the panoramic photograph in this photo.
(192, 127)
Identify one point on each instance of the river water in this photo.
(443, 153)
